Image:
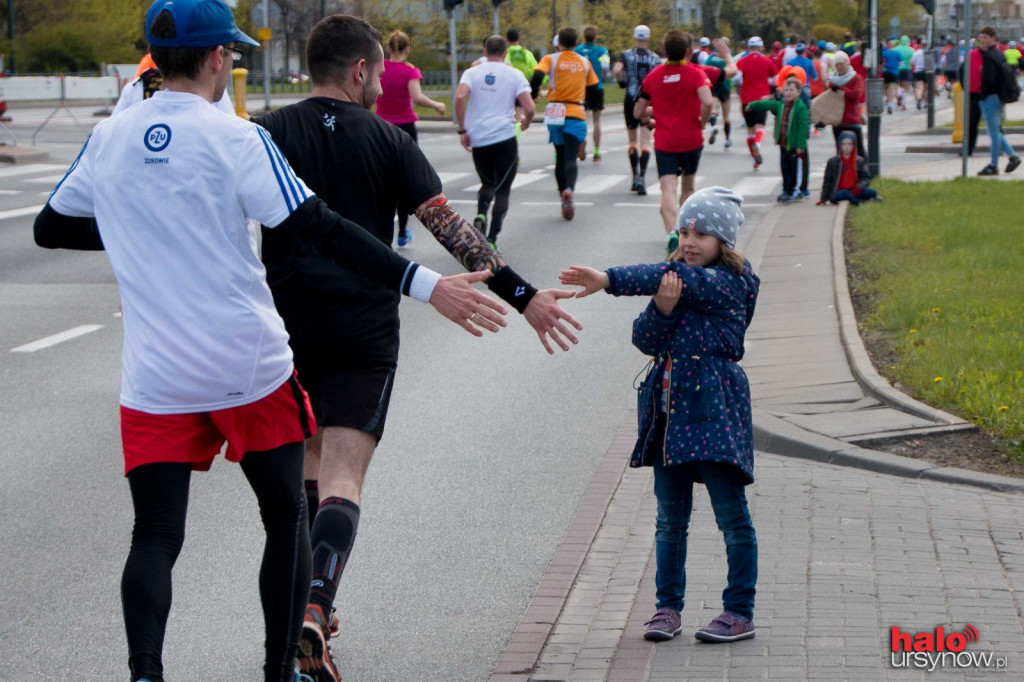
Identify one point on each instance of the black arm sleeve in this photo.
(535, 83)
(54, 230)
(348, 245)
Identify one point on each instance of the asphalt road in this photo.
(490, 443)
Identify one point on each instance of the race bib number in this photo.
(554, 114)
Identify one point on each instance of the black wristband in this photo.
(462, 131)
(511, 288)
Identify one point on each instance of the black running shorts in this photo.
(681, 163)
(347, 392)
(753, 118)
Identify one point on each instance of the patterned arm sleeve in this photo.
(466, 243)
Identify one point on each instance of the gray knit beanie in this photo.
(714, 211)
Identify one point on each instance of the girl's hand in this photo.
(590, 279)
(669, 291)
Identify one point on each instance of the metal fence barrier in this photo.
(56, 88)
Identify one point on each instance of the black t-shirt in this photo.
(364, 168)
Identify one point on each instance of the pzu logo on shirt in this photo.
(490, 79)
(156, 139)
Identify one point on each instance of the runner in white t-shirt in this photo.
(487, 128)
(142, 88)
(205, 356)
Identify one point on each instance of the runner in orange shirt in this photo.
(570, 80)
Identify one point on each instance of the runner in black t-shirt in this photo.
(344, 330)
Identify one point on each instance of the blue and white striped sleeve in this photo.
(268, 189)
(73, 194)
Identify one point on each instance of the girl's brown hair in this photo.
(398, 41)
(731, 259)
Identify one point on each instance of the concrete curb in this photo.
(22, 155)
(942, 130)
(951, 148)
(857, 355)
(777, 436)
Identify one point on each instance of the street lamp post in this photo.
(10, 31)
(875, 93)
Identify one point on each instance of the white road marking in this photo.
(450, 177)
(654, 189)
(756, 186)
(49, 179)
(57, 338)
(522, 180)
(598, 184)
(30, 169)
(555, 203)
(625, 204)
(9, 192)
(19, 212)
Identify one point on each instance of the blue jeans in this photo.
(847, 195)
(992, 110)
(673, 487)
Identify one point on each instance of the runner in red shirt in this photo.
(757, 69)
(680, 94)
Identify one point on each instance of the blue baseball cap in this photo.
(199, 23)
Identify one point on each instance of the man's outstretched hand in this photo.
(549, 320)
(455, 298)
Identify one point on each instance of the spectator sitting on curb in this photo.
(847, 175)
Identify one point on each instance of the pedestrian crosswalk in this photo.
(26, 180)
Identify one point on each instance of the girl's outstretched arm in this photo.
(590, 279)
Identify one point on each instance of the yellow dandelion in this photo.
(913, 331)
(935, 310)
(937, 380)
(1002, 408)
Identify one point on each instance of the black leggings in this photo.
(496, 165)
(160, 497)
(566, 169)
(410, 129)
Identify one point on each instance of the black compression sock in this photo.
(633, 160)
(727, 127)
(312, 500)
(644, 158)
(333, 535)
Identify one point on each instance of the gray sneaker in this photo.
(726, 628)
(664, 626)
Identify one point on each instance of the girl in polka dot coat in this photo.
(694, 406)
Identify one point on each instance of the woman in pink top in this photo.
(400, 86)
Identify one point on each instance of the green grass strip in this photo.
(940, 267)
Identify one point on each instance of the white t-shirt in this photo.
(491, 114)
(132, 93)
(917, 61)
(171, 183)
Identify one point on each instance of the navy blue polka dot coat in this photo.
(708, 418)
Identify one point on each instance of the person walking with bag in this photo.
(694, 406)
(851, 84)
